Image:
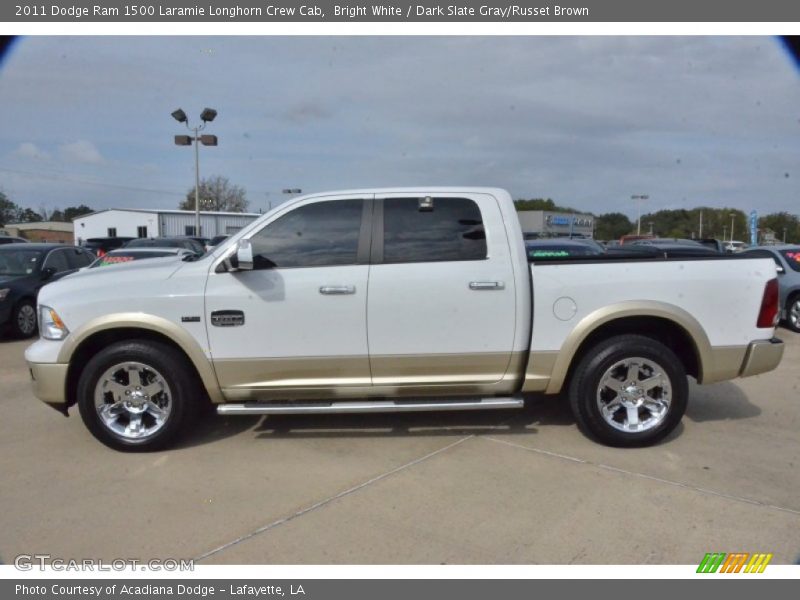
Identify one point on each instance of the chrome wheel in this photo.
(26, 319)
(634, 395)
(133, 400)
(794, 314)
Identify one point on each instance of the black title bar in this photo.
(465, 11)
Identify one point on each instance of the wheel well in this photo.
(100, 340)
(669, 333)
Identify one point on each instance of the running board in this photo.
(376, 406)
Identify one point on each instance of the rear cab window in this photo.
(432, 230)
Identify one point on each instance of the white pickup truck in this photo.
(394, 300)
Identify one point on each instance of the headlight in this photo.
(51, 327)
(4, 293)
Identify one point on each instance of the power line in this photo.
(56, 177)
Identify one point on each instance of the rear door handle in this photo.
(333, 290)
(486, 285)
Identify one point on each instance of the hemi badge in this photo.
(190, 319)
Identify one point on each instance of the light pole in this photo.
(733, 215)
(639, 198)
(208, 115)
(651, 227)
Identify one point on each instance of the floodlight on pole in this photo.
(208, 115)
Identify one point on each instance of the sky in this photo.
(587, 120)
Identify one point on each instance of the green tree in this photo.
(57, 215)
(218, 194)
(28, 215)
(612, 226)
(782, 223)
(72, 212)
(8, 210)
(543, 204)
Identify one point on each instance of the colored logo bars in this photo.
(736, 562)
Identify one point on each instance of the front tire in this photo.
(628, 390)
(137, 395)
(23, 319)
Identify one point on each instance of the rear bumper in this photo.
(762, 356)
(50, 383)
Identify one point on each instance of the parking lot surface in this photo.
(490, 487)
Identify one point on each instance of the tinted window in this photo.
(453, 230)
(793, 258)
(57, 260)
(78, 258)
(315, 235)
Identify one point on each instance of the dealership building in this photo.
(543, 223)
(134, 222)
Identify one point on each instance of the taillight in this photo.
(100, 253)
(768, 315)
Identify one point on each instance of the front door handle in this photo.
(486, 285)
(334, 290)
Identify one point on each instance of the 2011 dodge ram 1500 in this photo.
(397, 300)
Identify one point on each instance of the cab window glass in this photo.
(321, 234)
(449, 230)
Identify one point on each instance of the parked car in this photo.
(438, 280)
(124, 255)
(713, 243)
(675, 247)
(555, 248)
(101, 245)
(10, 239)
(787, 261)
(168, 242)
(24, 269)
(734, 246)
(216, 241)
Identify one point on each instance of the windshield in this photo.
(19, 262)
(793, 258)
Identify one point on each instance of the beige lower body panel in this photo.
(49, 382)
(310, 378)
(722, 363)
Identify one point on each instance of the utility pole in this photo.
(701, 225)
(639, 198)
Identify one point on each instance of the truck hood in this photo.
(139, 274)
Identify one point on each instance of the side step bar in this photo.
(375, 406)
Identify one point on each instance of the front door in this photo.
(295, 326)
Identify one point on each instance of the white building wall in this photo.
(210, 225)
(124, 221)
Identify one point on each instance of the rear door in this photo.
(441, 306)
(296, 324)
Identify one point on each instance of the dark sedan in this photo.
(24, 270)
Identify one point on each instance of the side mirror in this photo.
(47, 273)
(244, 255)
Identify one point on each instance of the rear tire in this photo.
(628, 390)
(138, 395)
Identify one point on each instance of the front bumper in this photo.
(50, 383)
(762, 356)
